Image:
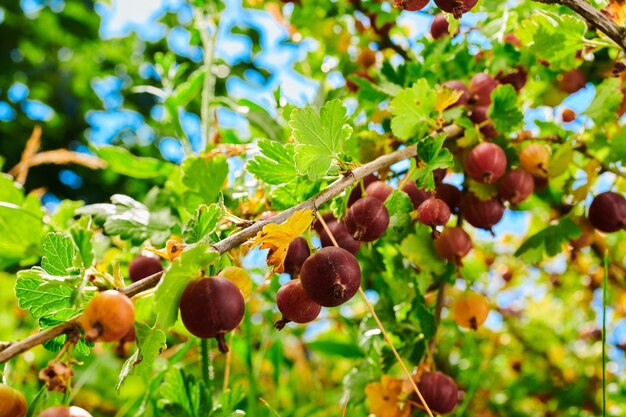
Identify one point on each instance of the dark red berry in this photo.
(379, 190)
(341, 235)
(457, 85)
(439, 391)
(516, 186)
(481, 86)
(297, 253)
(516, 78)
(357, 190)
(143, 266)
(479, 117)
(367, 219)
(486, 163)
(481, 214)
(211, 307)
(450, 194)
(607, 212)
(456, 7)
(410, 5)
(295, 305)
(416, 195)
(331, 276)
(439, 175)
(453, 244)
(572, 81)
(541, 182)
(440, 27)
(433, 212)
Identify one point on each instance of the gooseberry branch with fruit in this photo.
(279, 208)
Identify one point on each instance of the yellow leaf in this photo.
(383, 398)
(616, 11)
(277, 237)
(446, 97)
(240, 278)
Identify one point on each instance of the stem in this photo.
(208, 87)
(604, 293)
(229, 356)
(233, 241)
(382, 328)
(406, 178)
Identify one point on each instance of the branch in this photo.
(595, 18)
(234, 240)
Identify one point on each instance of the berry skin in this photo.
(440, 27)
(410, 5)
(64, 411)
(143, 266)
(456, 7)
(341, 235)
(568, 115)
(479, 117)
(439, 391)
(517, 78)
(470, 310)
(108, 317)
(211, 307)
(572, 81)
(481, 86)
(357, 191)
(516, 186)
(481, 214)
(607, 212)
(486, 163)
(433, 212)
(416, 195)
(297, 253)
(331, 276)
(453, 244)
(295, 305)
(450, 194)
(379, 190)
(367, 219)
(457, 85)
(535, 158)
(12, 402)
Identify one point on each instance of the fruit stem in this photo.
(380, 326)
(280, 324)
(94, 333)
(221, 343)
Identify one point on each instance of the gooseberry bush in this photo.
(437, 229)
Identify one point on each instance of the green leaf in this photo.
(420, 249)
(432, 156)
(180, 394)
(10, 191)
(58, 254)
(63, 217)
(187, 91)
(191, 263)
(412, 108)
(150, 342)
(553, 38)
(336, 348)
(399, 207)
(606, 101)
(484, 192)
(205, 177)
(81, 235)
(504, 110)
(131, 220)
(47, 300)
(425, 317)
(319, 137)
(121, 161)
(549, 241)
(21, 231)
(275, 165)
(202, 223)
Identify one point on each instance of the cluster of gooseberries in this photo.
(456, 7)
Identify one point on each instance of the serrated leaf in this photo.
(504, 110)
(412, 108)
(319, 137)
(275, 165)
(432, 156)
(420, 249)
(205, 177)
(549, 241)
(399, 206)
(150, 343)
(188, 266)
(121, 161)
(81, 235)
(604, 105)
(58, 254)
(202, 224)
(188, 90)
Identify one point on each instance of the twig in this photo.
(236, 239)
(380, 326)
(208, 87)
(57, 157)
(595, 18)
